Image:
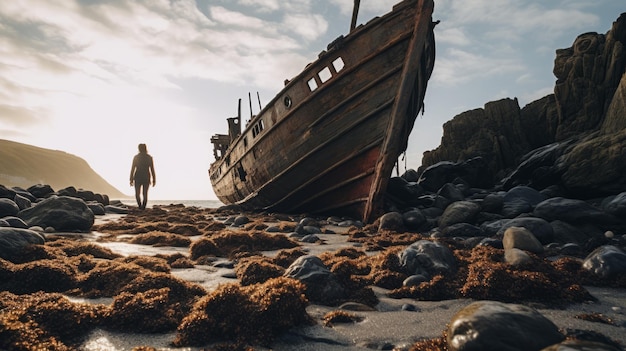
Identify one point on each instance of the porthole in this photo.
(287, 101)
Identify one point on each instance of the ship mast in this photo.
(355, 14)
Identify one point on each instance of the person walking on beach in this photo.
(141, 172)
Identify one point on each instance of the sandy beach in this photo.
(399, 323)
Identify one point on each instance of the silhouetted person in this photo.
(140, 175)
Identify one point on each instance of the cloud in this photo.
(309, 27)
(458, 66)
(262, 5)
(18, 116)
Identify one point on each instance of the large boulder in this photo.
(491, 325)
(14, 240)
(63, 213)
(8, 207)
(573, 139)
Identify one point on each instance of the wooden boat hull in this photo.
(331, 149)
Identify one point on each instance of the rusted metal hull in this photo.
(332, 149)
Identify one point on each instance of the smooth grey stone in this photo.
(61, 212)
(414, 280)
(459, 212)
(8, 207)
(492, 325)
(427, 258)
(606, 261)
(13, 240)
(521, 238)
(516, 257)
(541, 229)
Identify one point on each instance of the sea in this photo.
(187, 203)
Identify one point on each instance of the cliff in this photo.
(573, 138)
(25, 165)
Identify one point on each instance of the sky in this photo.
(94, 78)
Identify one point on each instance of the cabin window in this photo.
(245, 141)
(324, 74)
(257, 129)
(312, 84)
(287, 101)
(228, 160)
(242, 173)
(338, 64)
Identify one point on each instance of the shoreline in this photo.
(389, 324)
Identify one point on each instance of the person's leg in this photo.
(145, 195)
(137, 193)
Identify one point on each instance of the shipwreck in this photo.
(328, 141)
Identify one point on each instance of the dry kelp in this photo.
(254, 314)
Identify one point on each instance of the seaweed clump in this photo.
(44, 321)
(338, 316)
(229, 243)
(253, 314)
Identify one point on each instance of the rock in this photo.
(514, 208)
(22, 201)
(517, 258)
(581, 345)
(588, 73)
(427, 258)
(459, 212)
(240, 221)
(451, 192)
(524, 193)
(6, 193)
(594, 166)
(391, 221)
(309, 229)
(606, 261)
(572, 138)
(8, 207)
(570, 249)
(572, 211)
(414, 280)
(540, 228)
(115, 209)
(538, 166)
(310, 238)
(97, 208)
(402, 191)
(411, 176)
(355, 306)
(617, 205)
(438, 173)
(521, 238)
(13, 240)
(15, 222)
(61, 212)
(86, 195)
(462, 230)
(567, 233)
(322, 285)
(491, 325)
(491, 242)
(69, 191)
(414, 219)
(4, 223)
(492, 203)
(41, 190)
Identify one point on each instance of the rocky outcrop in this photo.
(588, 74)
(573, 138)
